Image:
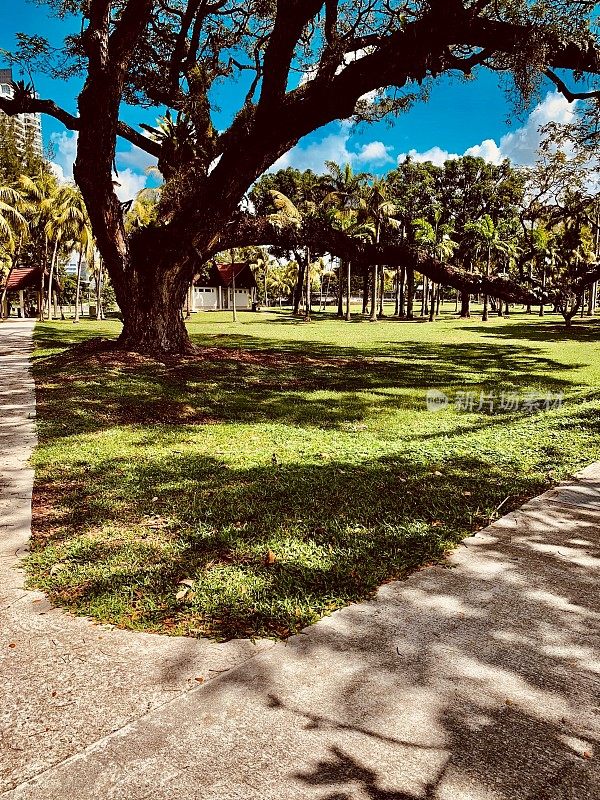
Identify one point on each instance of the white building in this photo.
(216, 293)
(26, 126)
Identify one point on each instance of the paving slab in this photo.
(474, 680)
(65, 682)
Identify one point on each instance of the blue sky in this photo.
(473, 116)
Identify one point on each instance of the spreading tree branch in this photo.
(564, 89)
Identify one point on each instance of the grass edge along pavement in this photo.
(288, 469)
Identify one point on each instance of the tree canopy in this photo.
(299, 64)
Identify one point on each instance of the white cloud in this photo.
(129, 184)
(65, 147)
(135, 158)
(334, 147)
(488, 150)
(375, 153)
(519, 146)
(130, 180)
(435, 154)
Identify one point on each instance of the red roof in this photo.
(222, 275)
(23, 278)
(244, 277)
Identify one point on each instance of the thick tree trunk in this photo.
(156, 326)
(153, 311)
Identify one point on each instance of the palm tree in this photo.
(345, 197)
(13, 228)
(65, 226)
(40, 194)
(488, 235)
(380, 209)
(143, 209)
(543, 245)
(437, 239)
(13, 223)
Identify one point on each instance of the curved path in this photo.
(65, 682)
(478, 680)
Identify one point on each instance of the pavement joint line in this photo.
(178, 694)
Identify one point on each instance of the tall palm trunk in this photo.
(381, 290)
(484, 317)
(78, 284)
(3, 303)
(99, 313)
(51, 278)
(374, 279)
(299, 288)
(401, 296)
(374, 285)
(233, 303)
(365, 292)
(410, 292)
(432, 303)
(348, 289)
(308, 298)
(340, 290)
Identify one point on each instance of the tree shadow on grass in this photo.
(587, 330)
(257, 380)
(269, 549)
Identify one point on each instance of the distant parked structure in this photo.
(216, 292)
(27, 127)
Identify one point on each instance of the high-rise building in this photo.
(27, 127)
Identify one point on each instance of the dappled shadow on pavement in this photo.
(473, 681)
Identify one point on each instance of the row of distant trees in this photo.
(533, 225)
(42, 223)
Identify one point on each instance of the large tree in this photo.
(304, 63)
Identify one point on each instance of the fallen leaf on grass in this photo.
(270, 558)
(188, 585)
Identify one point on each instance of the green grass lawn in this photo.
(290, 468)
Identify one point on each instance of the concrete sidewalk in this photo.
(479, 680)
(65, 682)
